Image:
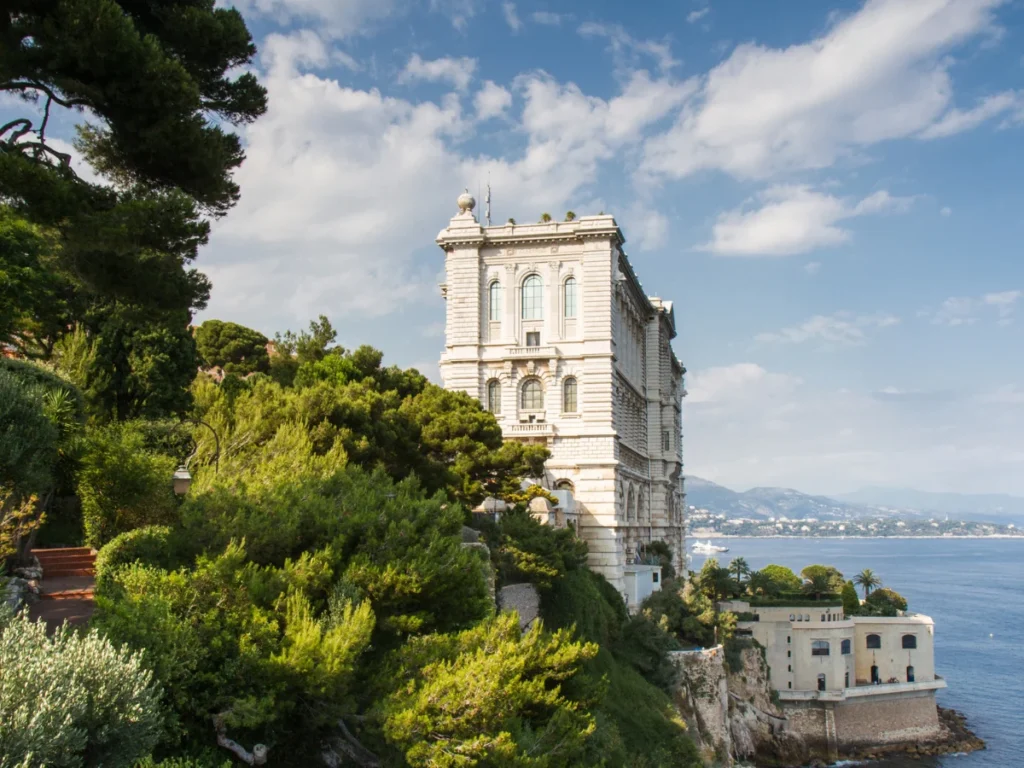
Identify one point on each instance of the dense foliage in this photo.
(72, 699)
(122, 483)
(232, 347)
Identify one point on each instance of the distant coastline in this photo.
(704, 534)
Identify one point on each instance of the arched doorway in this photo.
(874, 675)
(821, 682)
(910, 674)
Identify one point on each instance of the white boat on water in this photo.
(707, 548)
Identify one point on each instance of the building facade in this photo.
(850, 682)
(548, 326)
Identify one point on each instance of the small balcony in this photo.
(530, 430)
(530, 352)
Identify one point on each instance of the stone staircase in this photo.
(66, 589)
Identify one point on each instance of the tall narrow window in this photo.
(494, 396)
(569, 396)
(533, 298)
(494, 302)
(844, 647)
(570, 297)
(821, 682)
(533, 396)
(666, 440)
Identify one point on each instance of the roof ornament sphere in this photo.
(466, 202)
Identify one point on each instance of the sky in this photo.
(830, 192)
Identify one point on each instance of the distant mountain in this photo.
(762, 503)
(987, 506)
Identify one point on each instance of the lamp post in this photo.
(181, 480)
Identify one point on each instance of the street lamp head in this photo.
(181, 480)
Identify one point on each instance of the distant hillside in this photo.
(762, 503)
(989, 506)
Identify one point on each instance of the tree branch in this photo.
(46, 119)
(64, 157)
(24, 85)
(258, 756)
(16, 121)
(350, 747)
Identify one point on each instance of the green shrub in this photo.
(851, 603)
(72, 699)
(122, 484)
(28, 439)
(884, 602)
(151, 545)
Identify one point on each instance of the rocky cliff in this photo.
(725, 697)
(729, 708)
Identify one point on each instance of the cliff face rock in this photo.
(731, 714)
(702, 698)
(757, 723)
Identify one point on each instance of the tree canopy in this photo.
(233, 347)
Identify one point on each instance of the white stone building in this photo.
(548, 325)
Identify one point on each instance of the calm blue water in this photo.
(973, 588)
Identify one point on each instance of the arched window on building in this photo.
(910, 674)
(570, 298)
(910, 641)
(494, 396)
(569, 395)
(821, 682)
(533, 298)
(532, 396)
(494, 302)
(874, 641)
(630, 505)
(844, 648)
(641, 508)
(819, 648)
(564, 485)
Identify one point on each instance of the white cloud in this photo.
(340, 184)
(458, 72)
(511, 17)
(792, 219)
(694, 16)
(958, 121)
(742, 382)
(1004, 302)
(750, 427)
(627, 49)
(812, 267)
(648, 228)
(967, 310)
(549, 19)
(946, 211)
(878, 74)
(491, 100)
(839, 329)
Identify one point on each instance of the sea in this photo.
(972, 588)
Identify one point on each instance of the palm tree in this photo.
(818, 585)
(545, 217)
(570, 216)
(867, 581)
(739, 568)
(758, 583)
